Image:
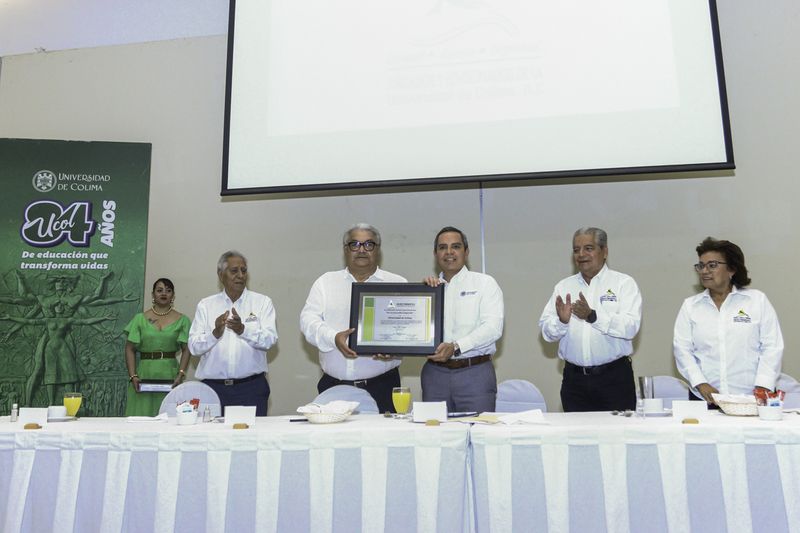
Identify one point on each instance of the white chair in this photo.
(366, 403)
(787, 383)
(189, 390)
(670, 388)
(515, 395)
(791, 387)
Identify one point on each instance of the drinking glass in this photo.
(401, 398)
(646, 387)
(72, 401)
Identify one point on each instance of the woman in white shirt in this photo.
(727, 339)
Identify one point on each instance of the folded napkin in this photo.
(159, 418)
(733, 398)
(534, 416)
(338, 407)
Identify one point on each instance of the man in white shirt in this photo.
(460, 371)
(594, 315)
(231, 332)
(325, 320)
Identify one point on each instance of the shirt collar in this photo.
(378, 274)
(228, 300)
(597, 276)
(707, 294)
(454, 278)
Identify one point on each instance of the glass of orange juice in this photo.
(72, 401)
(401, 398)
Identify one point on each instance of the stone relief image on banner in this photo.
(72, 269)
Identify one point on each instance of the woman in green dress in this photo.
(158, 334)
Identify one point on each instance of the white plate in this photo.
(665, 412)
(62, 419)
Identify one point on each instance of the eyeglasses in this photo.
(712, 265)
(367, 245)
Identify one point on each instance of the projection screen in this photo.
(327, 94)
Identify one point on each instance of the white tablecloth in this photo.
(368, 473)
(597, 472)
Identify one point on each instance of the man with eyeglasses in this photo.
(460, 371)
(325, 320)
(231, 333)
(594, 316)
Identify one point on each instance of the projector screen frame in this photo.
(727, 164)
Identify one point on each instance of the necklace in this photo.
(165, 313)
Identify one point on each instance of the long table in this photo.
(598, 472)
(580, 472)
(368, 473)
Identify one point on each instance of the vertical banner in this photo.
(73, 243)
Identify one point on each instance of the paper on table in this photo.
(534, 416)
(483, 418)
(158, 418)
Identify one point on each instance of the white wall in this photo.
(28, 26)
(171, 94)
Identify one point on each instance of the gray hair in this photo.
(600, 236)
(222, 264)
(376, 235)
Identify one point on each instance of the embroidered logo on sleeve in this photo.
(609, 296)
(741, 316)
(468, 293)
(251, 318)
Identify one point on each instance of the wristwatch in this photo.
(456, 349)
(592, 318)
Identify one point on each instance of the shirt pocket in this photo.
(609, 305)
(746, 339)
(468, 308)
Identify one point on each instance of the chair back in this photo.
(787, 383)
(515, 395)
(366, 403)
(189, 390)
(670, 388)
(791, 387)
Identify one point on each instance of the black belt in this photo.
(157, 355)
(596, 370)
(453, 364)
(234, 381)
(362, 383)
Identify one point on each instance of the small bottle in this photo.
(14, 412)
(207, 414)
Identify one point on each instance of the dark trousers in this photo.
(379, 387)
(253, 392)
(607, 387)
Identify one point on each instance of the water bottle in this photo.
(207, 414)
(14, 412)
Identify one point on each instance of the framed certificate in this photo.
(155, 385)
(396, 318)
